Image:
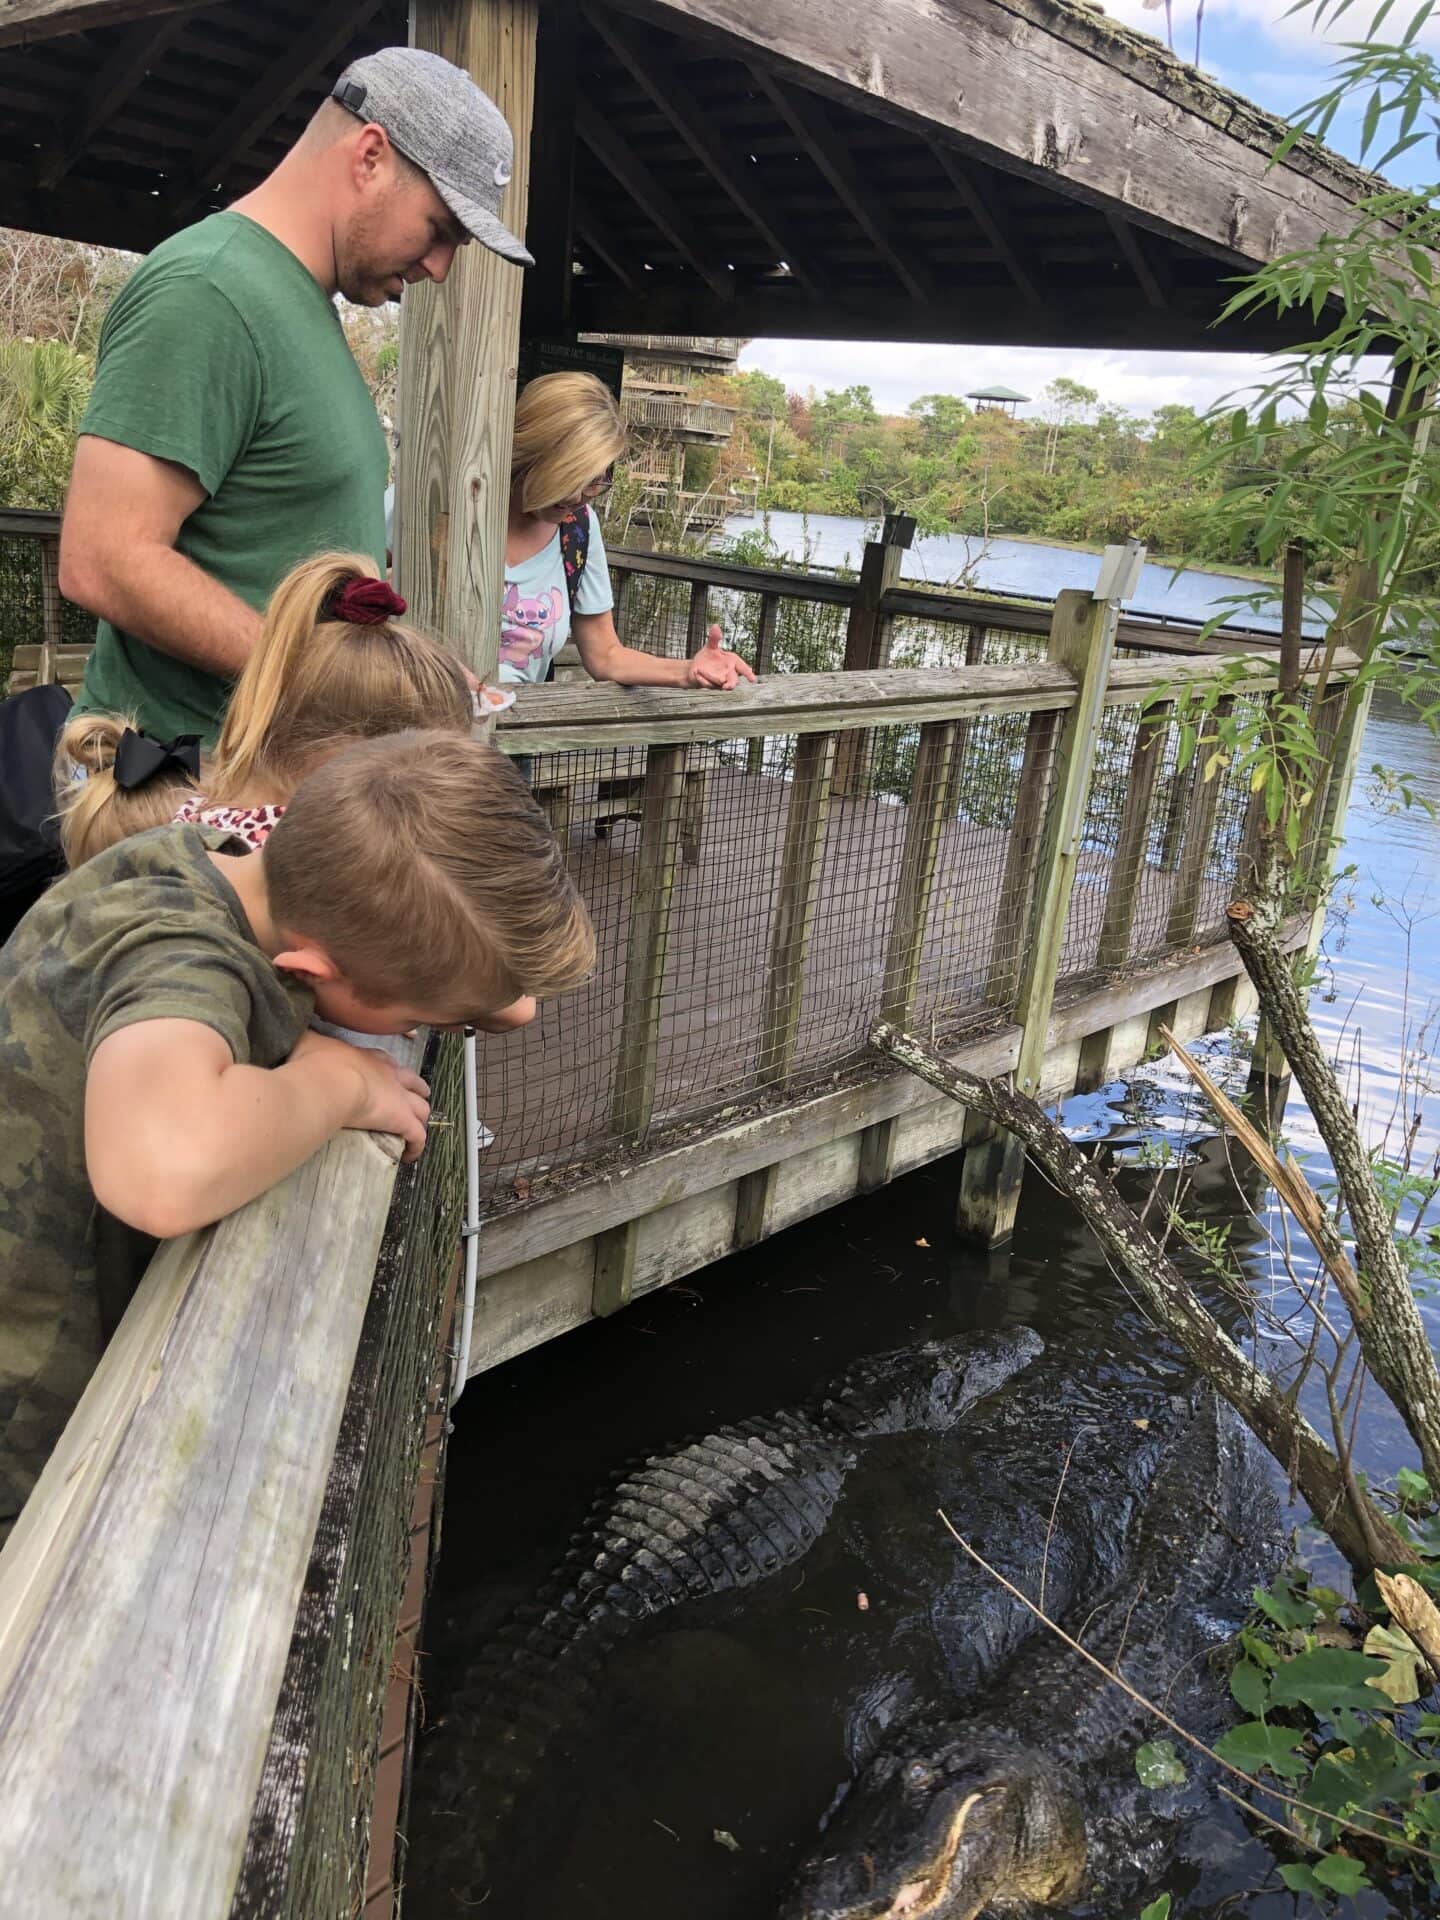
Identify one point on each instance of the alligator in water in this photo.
(719, 1513)
(1027, 1796)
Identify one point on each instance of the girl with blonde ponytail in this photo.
(333, 665)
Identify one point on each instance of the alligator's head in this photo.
(931, 1386)
(941, 1826)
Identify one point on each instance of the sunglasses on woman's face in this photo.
(592, 489)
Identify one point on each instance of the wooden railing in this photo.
(660, 413)
(979, 612)
(720, 348)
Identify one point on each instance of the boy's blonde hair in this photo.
(567, 433)
(423, 867)
(312, 684)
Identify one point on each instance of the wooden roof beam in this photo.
(1128, 241)
(807, 120)
(1058, 95)
(114, 83)
(646, 191)
(959, 176)
(25, 20)
(660, 79)
(287, 76)
(602, 242)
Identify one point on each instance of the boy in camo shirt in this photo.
(156, 1070)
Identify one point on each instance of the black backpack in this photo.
(30, 856)
(574, 552)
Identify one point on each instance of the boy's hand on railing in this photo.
(389, 1098)
(715, 666)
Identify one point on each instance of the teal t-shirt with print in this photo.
(224, 354)
(535, 613)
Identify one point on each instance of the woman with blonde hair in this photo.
(568, 436)
(334, 664)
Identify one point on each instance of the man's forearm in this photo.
(171, 604)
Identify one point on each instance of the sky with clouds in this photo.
(1256, 47)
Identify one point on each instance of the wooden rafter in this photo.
(326, 37)
(548, 286)
(600, 240)
(1090, 316)
(114, 83)
(1056, 94)
(806, 118)
(1128, 241)
(26, 20)
(659, 78)
(646, 191)
(971, 198)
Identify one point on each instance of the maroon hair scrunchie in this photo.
(363, 603)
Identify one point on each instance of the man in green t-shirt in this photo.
(230, 434)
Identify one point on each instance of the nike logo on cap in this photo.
(502, 174)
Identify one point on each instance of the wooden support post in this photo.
(620, 579)
(633, 1098)
(1022, 860)
(1106, 1055)
(1082, 638)
(799, 888)
(764, 653)
(867, 638)
(47, 667)
(1267, 1086)
(974, 657)
(547, 287)
(458, 351)
(990, 1178)
(1231, 1000)
(1127, 871)
(1199, 831)
(800, 869)
(699, 617)
(1176, 815)
(634, 1094)
(924, 825)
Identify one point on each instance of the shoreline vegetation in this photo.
(1069, 470)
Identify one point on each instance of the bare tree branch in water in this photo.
(1359, 1529)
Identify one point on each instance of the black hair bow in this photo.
(139, 757)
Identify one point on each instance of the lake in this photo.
(1022, 567)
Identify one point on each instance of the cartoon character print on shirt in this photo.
(527, 626)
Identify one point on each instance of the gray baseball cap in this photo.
(437, 117)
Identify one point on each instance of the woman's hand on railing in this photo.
(715, 666)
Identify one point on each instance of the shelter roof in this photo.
(1007, 171)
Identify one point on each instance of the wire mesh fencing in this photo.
(42, 635)
(758, 902)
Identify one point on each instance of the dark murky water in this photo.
(721, 1725)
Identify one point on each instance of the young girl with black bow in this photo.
(333, 665)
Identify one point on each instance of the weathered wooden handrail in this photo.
(1155, 632)
(557, 719)
(149, 1590)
